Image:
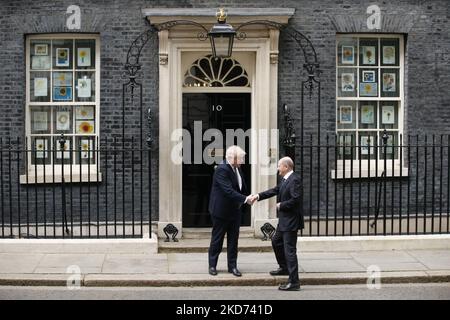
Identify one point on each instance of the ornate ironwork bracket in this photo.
(311, 64)
(289, 137)
(268, 231)
(133, 65)
(170, 229)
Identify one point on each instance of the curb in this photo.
(180, 280)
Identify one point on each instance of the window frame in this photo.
(344, 165)
(35, 172)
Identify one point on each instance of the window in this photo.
(210, 72)
(369, 94)
(62, 98)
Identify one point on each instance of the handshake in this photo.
(251, 199)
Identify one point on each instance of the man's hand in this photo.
(278, 205)
(254, 198)
(251, 199)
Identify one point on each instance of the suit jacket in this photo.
(290, 216)
(226, 200)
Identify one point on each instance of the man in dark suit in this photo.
(227, 199)
(290, 219)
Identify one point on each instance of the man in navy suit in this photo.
(227, 199)
(290, 219)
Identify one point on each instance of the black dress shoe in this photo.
(279, 272)
(290, 287)
(212, 271)
(235, 272)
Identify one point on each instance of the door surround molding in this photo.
(263, 44)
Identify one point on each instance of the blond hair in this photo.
(234, 152)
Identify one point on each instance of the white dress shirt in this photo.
(239, 179)
(288, 174)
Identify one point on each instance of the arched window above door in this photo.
(210, 72)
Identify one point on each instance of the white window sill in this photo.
(365, 173)
(76, 177)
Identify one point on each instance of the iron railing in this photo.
(106, 191)
(102, 191)
(379, 189)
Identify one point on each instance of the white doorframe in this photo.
(264, 107)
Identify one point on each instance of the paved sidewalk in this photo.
(190, 269)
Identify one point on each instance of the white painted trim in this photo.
(31, 168)
(366, 243)
(264, 99)
(400, 100)
(208, 15)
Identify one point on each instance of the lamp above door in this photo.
(222, 36)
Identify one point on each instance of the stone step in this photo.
(205, 233)
(202, 245)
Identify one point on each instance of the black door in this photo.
(219, 111)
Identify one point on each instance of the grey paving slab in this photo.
(331, 266)
(65, 260)
(192, 256)
(323, 255)
(264, 268)
(433, 259)
(19, 263)
(394, 266)
(392, 255)
(193, 267)
(62, 270)
(436, 264)
(388, 260)
(429, 253)
(155, 257)
(134, 263)
(259, 257)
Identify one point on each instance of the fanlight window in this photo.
(210, 72)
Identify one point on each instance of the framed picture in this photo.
(84, 113)
(40, 62)
(368, 76)
(345, 114)
(40, 121)
(41, 49)
(40, 87)
(389, 145)
(367, 114)
(41, 147)
(62, 57)
(62, 93)
(388, 55)
(348, 55)
(62, 79)
(365, 142)
(84, 88)
(389, 82)
(348, 82)
(65, 154)
(87, 149)
(388, 115)
(84, 57)
(85, 127)
(369, 55)
(63, 121)
(368, 89)
(345, 143)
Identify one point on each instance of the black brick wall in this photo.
(427, 79)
